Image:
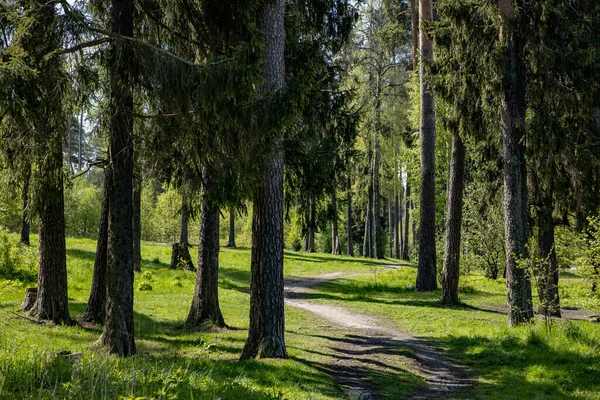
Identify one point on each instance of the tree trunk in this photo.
(377, 230)
(205, 304)
(266, 333)
(397, 212)
(51, 302)
(548, 274)
(231, 241)
(391, 223)
(96, 305)
(80, 130)
(414, 23)
(118, 334)
(406, 223)
(451, 271)
(180, 253)
(426, 273)
(335, 239)
(25, 227)
(367, 247)
(137, 225)
(515, 197)
(309, 242)
(350, 249)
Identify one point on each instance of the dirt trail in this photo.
(370, 345)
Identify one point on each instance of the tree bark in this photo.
(451, 270)
(205, 304)
(406, 223)
(391, 226)
(52, 301)
(515, 195)
(309, 241)
(118, 334)
(548, 274)
(25, 227)
(52, 298)
(231, 241)
(414, 23)
(96, 305)
(350, 249)
(367, 247)
(335, 238)
(377, 230)
(137, 225)
(397, 211)
(266, 333)
(426, 272)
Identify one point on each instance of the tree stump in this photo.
(180, 257)
(30, 297)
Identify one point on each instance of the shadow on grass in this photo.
(313, 257)
(510, 368)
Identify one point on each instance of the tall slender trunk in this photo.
(548, 274)
(367, 247)
(515, 195)
(266, 333)
(25, 227)
(137, 225)
(406, 223)
(118, 334)
(377, 230)
(391, 219)
(397, 211)
(335, 238)
(231, 241)
(414, 23)
(96, 305)
(426, 273)
(350, 250)
(451, 271)
(309, 242)
(205, 303)
(80, 131)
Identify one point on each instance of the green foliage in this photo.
(82, 208)
(591, 270)
(17, 262)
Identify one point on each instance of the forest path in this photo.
(369, 346)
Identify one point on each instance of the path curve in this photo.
(369, 343)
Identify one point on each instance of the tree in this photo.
(96, 305)
(266, 333)
(515, 178)
(231, 240)
(25, 226)
(118, 333)
(205, 303)
(426, 275)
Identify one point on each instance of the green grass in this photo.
(172, 361)
(507, 363)
(175, 362)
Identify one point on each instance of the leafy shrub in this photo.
(143, 286)
(591, 271)
(17, 262)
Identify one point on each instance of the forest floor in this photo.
(355, 328)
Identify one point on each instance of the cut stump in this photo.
(30, 297)
(180, 257)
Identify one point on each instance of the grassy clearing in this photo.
(172, 362)
(524, 362)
